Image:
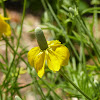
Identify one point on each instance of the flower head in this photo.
(4, 27)
(55, 53)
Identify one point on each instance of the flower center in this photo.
(41, 39)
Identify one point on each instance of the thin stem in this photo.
(89, 52)
(52, 12)
(3, 6)
(15, 51)
(24, 8)
(44, 5)
(38, 87)
(90, 9)
(4, 11)
(89, 34)
(73, 48)
(1, 98)
(40, 90)
(25, 85)
(62, 73)
(96, 20)
(50, 88)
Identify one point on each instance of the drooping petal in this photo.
(52, 60)
(4, 27)
(63, 54)
(39, 63)
(61, 51)
(32, 54)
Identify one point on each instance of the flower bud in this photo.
(41, 39)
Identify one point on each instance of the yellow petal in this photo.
(7, 30)
(39, 63)
(32, 54)
(54, 43)
(4, 27)
(63, 54)
(4, 18)
(52, 60)
(60, 50)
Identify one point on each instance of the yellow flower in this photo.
(4, 27)
(56, 54)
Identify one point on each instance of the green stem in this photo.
(96, 20)
(3, 6)
(24, 86)
(5, 15)
(15, 51)
(62, 73)
(37, 86)
(44, 5)
(50, 88)
(1, 98)
(90, 9)
(24, 8)
(40, 90)
(90, 54)
(52, 12)
(89, 34)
